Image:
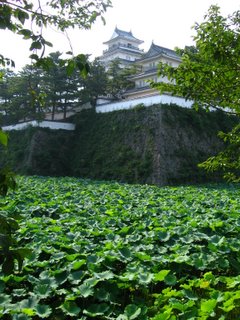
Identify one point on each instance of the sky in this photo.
(167, 23)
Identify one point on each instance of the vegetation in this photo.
(209, 75)
(118, 79)
(10, 251)
(181, 137)
(33, 92)
(16, 16)
(104, 250)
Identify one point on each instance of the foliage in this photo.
(9, 248)
(138, 138)
(228, 160)
(96, 156)
(60, 89)
(21, 96)
(119, 78)
(209, 72)
(16, 16)
(33, 92)
(95, 84)
(113, 251)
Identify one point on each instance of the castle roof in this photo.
(124, 35)
(156, 50)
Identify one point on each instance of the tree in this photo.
(119, 78)
(5, 94)
(61, 89)
(18, 15)
(95, 84)
(209, 76)
(20, 95)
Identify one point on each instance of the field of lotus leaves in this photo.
(105, 250)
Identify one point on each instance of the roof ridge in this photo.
(161, 47)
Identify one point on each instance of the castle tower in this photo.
(123, 46)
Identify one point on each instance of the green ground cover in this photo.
(103, 250)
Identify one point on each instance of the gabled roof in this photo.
(156, 50)
(124, 34)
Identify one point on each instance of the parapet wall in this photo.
(42, 124)
(146, 101)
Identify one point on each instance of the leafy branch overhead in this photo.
(209, 72)
(209, 76)
(30, 19)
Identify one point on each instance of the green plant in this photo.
(104, 250)
(208, 76)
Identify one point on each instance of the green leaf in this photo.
(43, 311)
(3, 138)
(26, 33)
(4, 299)
(145, 277)
(34, 57)
(125, 253)
(190, 294)
(43, 290)
(105, 275)
(163, 315)
(24, 252)
(35, 45)
(160, 276)
(207, 306)
(70, 308)
(76, 276)
(2, 286)
(163, 235)
(72, 257)
(170, 279)
(143, 256)
(95, 310)
(82, 64)
(86, 290)
(21, 15)
(132, 311)
(61, 276)
(28, 311)
(78, 264)
(70, 67)
(19, 292)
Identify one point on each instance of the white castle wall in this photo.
(42, 124)
(146, 101)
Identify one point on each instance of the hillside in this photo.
(156, 145)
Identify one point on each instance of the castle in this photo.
(124, 46)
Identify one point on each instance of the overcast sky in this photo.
(166, 22)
